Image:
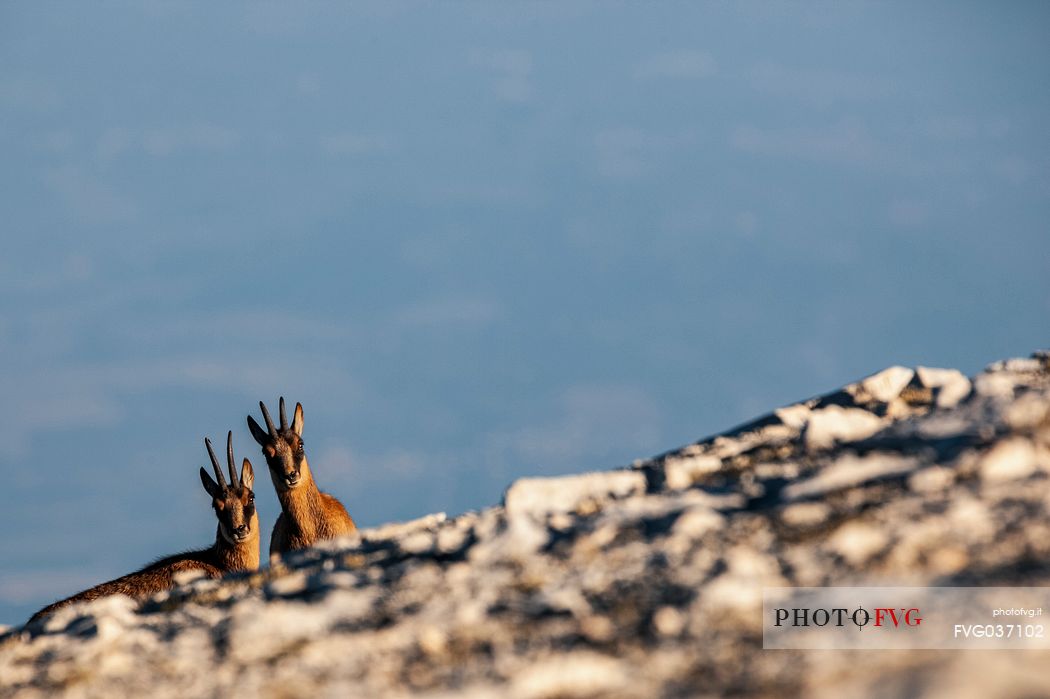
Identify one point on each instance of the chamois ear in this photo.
(257, 432)
(247, 474)
(211, 486)
(297, 420)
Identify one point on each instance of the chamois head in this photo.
(283, 448)
(234, 503)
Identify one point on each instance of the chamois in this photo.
(236, 546)
(307, 515)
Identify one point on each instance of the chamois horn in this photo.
(215, 465)
(269, 420)
(230, 462)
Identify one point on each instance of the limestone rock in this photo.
(837, 424)
(636, 582)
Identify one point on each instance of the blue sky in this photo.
(480, 240)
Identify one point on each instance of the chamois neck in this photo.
(243, 555)
(303, 502)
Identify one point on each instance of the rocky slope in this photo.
(645, 581)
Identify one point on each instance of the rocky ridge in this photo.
(643, 581)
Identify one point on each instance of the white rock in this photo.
(1008, 460)
(541, 496)
(1019, 365)
(835, 423)
(931, 479)
(397, 530)
(524, 536)
(793, 415)
(849, 471)
(970, 516)
(739, 589)
(432, 640)
(418, 542)
(887, 384)
(682, 472)
(451, 539)
(578, 674)
(261, 631)
(697, 521)
(1029, 410)
(857, 542)
(290, 584)
(668, 621)
(997, 384)
(951, 385)
(805, 514)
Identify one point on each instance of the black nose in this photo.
(243, 529)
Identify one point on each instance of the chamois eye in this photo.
(300, 448)
(251, 498)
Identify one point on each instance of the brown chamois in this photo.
(307, 515)
(236, 546)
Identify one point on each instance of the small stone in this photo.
(524, 536)
(1019, 365)
(352, 560)
(994, 384)
(399, 530)
(793, 415)
(697, 521)
(597, 628)
(805, 514)
(972, 519)
(931, 479)
(668, 621)
(1027, 411)
(291, 584)
(885, 385)
(587, 507)
(419, 542)
(848, 471)
(451, 539)
(541, 496)
(560, 522)
(573, 674)
(432, 640)
(948, 561)
(857, 542)
(835, 423)
(599, 538)
(1008, 460)
(951, 385)
(681, 473)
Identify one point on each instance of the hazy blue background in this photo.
(480, 241)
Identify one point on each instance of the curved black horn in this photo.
(229, 460)
(215, 464)
(284, 417)
(269, 420)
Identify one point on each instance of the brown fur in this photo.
(307, 515)
(234, 507)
